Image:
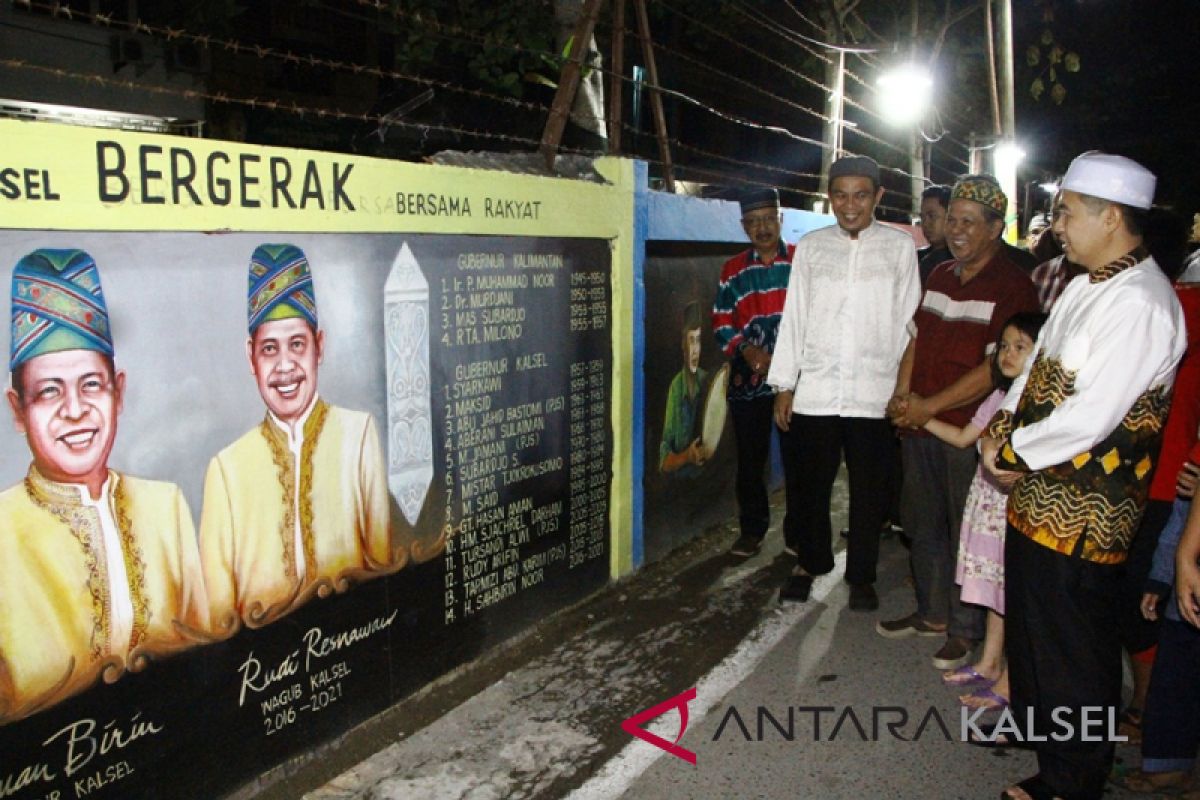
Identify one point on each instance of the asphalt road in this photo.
(794, 701)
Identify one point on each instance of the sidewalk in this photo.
(541, 719)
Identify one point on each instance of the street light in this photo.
(1008, 156)
(1005, 159)
(905, 93)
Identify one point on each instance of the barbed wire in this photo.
(323, 113)
(289, 57)
(290, 107)
(170, 34)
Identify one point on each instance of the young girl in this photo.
(980, 569)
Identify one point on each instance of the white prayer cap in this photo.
(1110, 177)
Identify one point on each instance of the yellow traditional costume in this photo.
(85, 586)
(255, 493)
(286, 514)
(55, 601)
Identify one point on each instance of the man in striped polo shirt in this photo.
(745, 320)
(945, 373)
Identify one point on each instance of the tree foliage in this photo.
(1049, 60)
(501, 45)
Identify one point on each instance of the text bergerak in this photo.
(174, 175)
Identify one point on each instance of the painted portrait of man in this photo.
(299, 504)
(681, 449)
(96, 566)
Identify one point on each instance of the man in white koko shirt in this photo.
(853, 289)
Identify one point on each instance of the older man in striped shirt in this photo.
(745, 320)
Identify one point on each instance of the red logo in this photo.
(633, 725)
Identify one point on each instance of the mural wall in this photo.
(288, 435)
(688, 452)
(685, 493)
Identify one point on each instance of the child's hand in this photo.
(989, 449)
(1187, 480)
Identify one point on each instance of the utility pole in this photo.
(835, 77)
(916, 142)
(1008, 121)
(1008, 106)
(916, 166)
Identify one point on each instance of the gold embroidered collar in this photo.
(1110, 270)
(277, 441)
(63, 501)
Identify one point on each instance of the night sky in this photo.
(1137, 92)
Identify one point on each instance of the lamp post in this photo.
(905, 94)
(835, 73)
(1005, 159)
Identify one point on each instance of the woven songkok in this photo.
(57, 304)
(982, 189)
(280, 286)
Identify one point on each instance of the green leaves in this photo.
(1050, 55)
(503, 46)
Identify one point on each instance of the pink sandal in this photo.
(988, 700)
(966, 677)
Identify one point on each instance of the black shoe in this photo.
(745, 546)
(956, 652)
(796, 589)
(863, 597)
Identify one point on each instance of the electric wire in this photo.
(287, 56)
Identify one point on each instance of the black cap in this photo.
(759, 198)
(855, 167)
